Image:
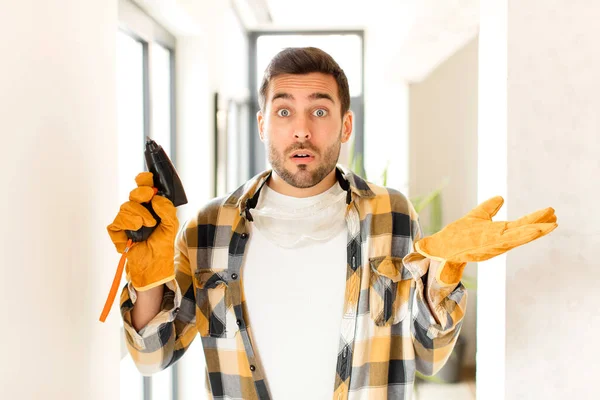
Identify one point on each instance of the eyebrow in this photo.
(313, 96)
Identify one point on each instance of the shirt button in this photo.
(252, 368)
(234, 276)
(244, 235)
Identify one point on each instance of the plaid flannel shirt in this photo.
(397, 318)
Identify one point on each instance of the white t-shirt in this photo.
(295, 298)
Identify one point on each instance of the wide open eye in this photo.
(320, 113)
(284, 112)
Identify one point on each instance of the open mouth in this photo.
(300, 157)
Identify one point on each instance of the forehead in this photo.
(304, 85)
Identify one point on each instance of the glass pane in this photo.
(160, 67)
(345, 49)
(130, 129)
(130, 111)
(130, 114)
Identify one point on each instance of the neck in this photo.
(280, 186)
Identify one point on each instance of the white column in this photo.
(552, 295)
(538, 306)
(59, 192)
(492, 181)
(386, 111)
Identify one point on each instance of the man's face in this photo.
(302, 127)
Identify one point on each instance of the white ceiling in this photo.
(331, 14)
(406, 39)
(419, 34)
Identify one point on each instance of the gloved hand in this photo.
(149, 263)
(475, 237)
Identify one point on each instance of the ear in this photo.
(347, 124)
(260, 119)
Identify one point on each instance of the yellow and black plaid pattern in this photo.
(388, 329)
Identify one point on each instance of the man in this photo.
(307, 282)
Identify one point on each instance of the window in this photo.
(130, 110)
(146, 108)
(346, 47)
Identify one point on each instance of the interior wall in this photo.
(195, 155)
(443, 146)
(215, 60)
(59, 174)
(552, 295)
(386, 110)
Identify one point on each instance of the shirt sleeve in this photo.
(169, 334)
(437, 310)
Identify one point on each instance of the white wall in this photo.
(552, 296)
(216, 60)
(195, 156)
(59, 174)
(386, 109)
(443, 146)
(540, 72)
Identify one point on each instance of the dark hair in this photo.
(304, 60)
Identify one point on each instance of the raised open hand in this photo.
(475, 237)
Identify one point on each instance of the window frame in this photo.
(136, 23)
(256, 148)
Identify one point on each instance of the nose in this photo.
(302, 129)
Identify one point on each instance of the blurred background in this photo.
(455, 101)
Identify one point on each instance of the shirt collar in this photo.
(245, 197)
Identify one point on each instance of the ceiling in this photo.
(419, 34)
(407, 39)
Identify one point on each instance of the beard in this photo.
(303, 178)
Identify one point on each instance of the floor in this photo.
(448, 391)
(463, 390)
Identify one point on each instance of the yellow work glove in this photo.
(475, 237)
(149, 263)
